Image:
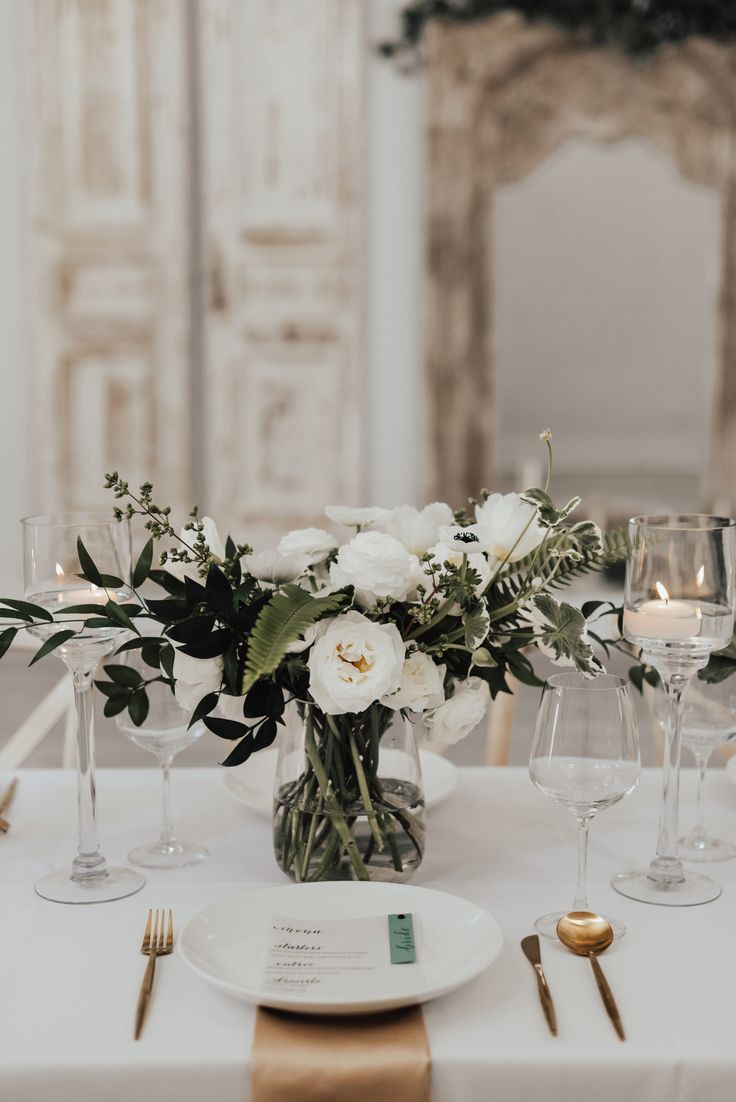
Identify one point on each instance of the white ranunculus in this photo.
(476, 561)
(460, 540)
(500, 522)
(184, 570)
(354, 517)
(195, 678)
(378, 566)
(275, 568)
(353, 663)
(459, 715)
(417, 529)
(314, 544)
(422, 684)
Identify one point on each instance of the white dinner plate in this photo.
(456, 941)
(252, 784)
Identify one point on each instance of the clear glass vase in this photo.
(348, 797)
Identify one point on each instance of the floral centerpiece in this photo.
(417, 618)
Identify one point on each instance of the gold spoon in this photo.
(588, 934)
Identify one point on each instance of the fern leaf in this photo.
(287, 616)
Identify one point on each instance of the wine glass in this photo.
(585, 757)
(708, 721)
(678, 608)
(165, 733)
(51, 570)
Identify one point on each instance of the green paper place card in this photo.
(401, 939)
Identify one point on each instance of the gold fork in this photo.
(156, 943)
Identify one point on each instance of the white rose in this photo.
(442, 553)
(421, 687)
(353, 663)
(353, 517)
(459, 715)
(314, 544)
(184, 570)
(195, 678)
(378, 566)
(417, 529)
(500, 522)
(275, 568)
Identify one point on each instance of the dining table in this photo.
(69, 975)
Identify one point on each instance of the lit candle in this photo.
(68, 594)
(663, 619)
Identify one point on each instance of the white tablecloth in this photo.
(69, 976)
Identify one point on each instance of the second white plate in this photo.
(252, 784)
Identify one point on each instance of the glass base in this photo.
(116, 883)
(547, 925)
(692, 890)
(173, 855)
(697, 848)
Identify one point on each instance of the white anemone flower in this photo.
(417, 529)
(355, 517)
(507, 527)
(273, 568)
(314, 544)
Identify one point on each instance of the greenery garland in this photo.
(638, 27)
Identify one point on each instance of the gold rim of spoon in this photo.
(587, 935)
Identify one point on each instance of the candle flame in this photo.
(662, 592)
(700, 576)
(59, 570)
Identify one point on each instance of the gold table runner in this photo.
(304, 1058)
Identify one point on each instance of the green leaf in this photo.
(114, 705)
(167, 659)
(559, 633)
(109, 688)
(6, 639)
(636, 676)
(117, 613)
(286, 616)
(89, 571)
(548, 514)
(51, 644)
(138, 707)
(29, 611)
(143, 566)
(123, 675)
(206, 705)
(483, 657)
(476, 623)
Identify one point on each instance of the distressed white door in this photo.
(109, 243)
(281, 87)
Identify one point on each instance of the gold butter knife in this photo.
(532, 952)
(5, 801)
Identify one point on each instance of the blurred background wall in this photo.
(232, 298)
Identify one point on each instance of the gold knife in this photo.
(5, 801)
(532, 952)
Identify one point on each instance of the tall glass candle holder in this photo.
(678, 609)
(51, 570)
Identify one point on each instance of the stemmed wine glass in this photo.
(51, 569)
(708, 721)
(585, 757)
(165, 732)
(678, 608)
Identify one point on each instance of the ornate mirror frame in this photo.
(502, 96)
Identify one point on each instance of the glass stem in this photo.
(580, 902)
(666, 868)
(698, 831)
(168, 838)
(89, 864)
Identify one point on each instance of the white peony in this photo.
(275, 568)
(459, 715)
(314, 544)
(353, 663)
(195, 678)
(422, 684)
(500, 522)
(184, 570)
(417, 529)
(353, 517)
(378, 566)
(442, 553)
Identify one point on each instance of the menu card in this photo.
(341, 956)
